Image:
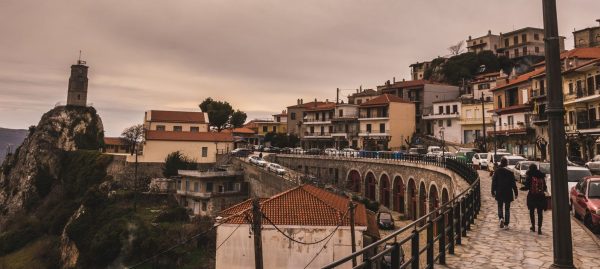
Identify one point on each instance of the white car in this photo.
(594, 164)
(521, 168)
(512, 161)
(495, 159)
(257, 160)
(349, 152)
(480, 160)
(574, 175)
(331, 151)
(276, 168)
(433, 149)
(298, 150)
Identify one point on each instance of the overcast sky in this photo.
(258, 55)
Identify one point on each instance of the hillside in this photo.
(12, 137)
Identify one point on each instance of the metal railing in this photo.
(444, 226)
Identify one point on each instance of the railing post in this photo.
(430, 243)
(396, 255)
(458, 217)
(472, 213)
(442, 233)
(451, 230)
(463, 215)
(414, 250)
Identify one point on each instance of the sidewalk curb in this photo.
(590, 233)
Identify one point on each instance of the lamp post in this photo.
(483, 119)
(443, 142)
(495, 120)
(561, 227)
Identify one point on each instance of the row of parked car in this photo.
(271, 167)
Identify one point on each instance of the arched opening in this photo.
(398, 191)
(353, 181)
(384, 191)
(422, 200)
(411, 192)
(434, 201)
(445, 196)
(370, 186)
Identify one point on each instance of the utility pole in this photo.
(483, 119)
(561, 226)
(135, 176)
(256, 230)
(352, 206)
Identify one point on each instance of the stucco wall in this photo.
(262, 183)
(280, 252)
(401, 124)
(156, 151)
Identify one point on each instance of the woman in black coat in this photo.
(536, 199)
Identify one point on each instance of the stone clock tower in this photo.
(78, 84)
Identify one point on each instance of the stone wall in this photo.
(262, 183)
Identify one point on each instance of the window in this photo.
(515, 40)
(506, 43)
(537, 49)
(516, 53)
(204, 151)
(455, 109)
(278, 119)
(330, 129)
(511, 120)
(293, 116)
(312, 129)
(524, 38)
(322, 130)
(209, 187)
(571, 117)
(368, 128)
(187, 185)
(194, 129)
(597, 81)
(359, 101)
(447, 109)
(440, 123)
(265, 129)
(160, 127)
(274, 129)
(179, 184)
(499, 101)
(382, 128)
(177, 128)
(204, 207)
(196, 186)
(449, 123)
(542, 87)
(341, 113)
(570, 87)
(440, 110)
(524, 51)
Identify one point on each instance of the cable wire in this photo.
(305, 243)
(227, 237)
(321, 250)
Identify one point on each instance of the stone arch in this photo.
(353, 181)
(422, 199)
(370, 186)
(398, 194)
(384, 190)
(445, 196)
(411, 193)
(434, 198)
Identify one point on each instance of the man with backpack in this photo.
(536, 197)
(503, 186)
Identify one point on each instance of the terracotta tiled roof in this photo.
(366, 92)
(384, 99)
(235, 209)
(241, 130)
(304, 205)
(309, 104)
(591, 62)
(177, 116)
(581, 53)
(408, 83)
(114, 141)
(189, 136)
(323, 106)
(520, 79)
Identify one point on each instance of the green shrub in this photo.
(177, 161)
(83, 169)
(106, 244)
(16, 239)
(174, 214)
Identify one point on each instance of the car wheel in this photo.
(573, 211)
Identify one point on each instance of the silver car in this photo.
(594, 164)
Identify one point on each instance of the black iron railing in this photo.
(442, 228)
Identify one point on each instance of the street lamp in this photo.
(495, 120)
(483, 119)
(443, 142)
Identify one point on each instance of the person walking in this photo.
(535, 183)
(503, 186)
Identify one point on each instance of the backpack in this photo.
(537, 185)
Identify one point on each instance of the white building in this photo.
(305, 213)
(445, 115)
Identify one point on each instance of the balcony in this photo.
(317, 135)
(208, 195)
(350, 116)
(583, 95)
(539, 119)
(317, 121)
(476, 121)
(441, 116)
(582, 125)
(510, 129)
(374, 134)
(536, 94)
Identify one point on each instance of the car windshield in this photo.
(545, 168)
(483, 156)
(497, 157)
(413, 151)
(513, 161)
(576, 175)
(385, 216)
(525, 165)
(594, 189)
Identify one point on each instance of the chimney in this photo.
(403, 80)
(489, 32)
(469, 38)
(394, 80)
(598, 20)
(361, 88)
(297, 101)
(301, 101)
(326, 100)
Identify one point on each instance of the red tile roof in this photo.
(520, 79)
(582, 53)
(237, 208)
(384, 99)
(177, 116)
(189, 136)
(408, 83)
(304, 205)
(323, 106)
(591, 62)
(309, 104)
(241, 130)
(114, 141)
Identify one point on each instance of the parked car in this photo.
(298, 150)
(480, 160)
(521, 168)
(314, 151)
(286, 150)
(331, 151)
(585, 202)
(241, 152)
(385, 221)
(466, 154)
(276, 168)
(495, 159)
(433, 149)
(575, 161)
(349, 152)
(574, 175)
(386, 262)
(594, 164)
(512, 161)
(257, 160)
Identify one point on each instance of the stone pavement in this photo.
(487, 246)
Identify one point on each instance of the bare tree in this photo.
(133, 137)
(457, 48)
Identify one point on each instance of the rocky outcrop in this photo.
(68, 250)
(29, 174)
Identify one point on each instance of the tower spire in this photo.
(79, 61)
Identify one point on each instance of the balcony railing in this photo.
(313, 120)
(582, 125)
(364, 115)
(539, 118)
(374, 133)
(317, 134)
(441, 116)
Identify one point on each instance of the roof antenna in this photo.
(79, 61)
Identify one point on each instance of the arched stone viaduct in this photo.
(413, 189)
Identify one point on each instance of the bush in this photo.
(106, 244)
(177, 161)
(173, 214)
(83, 169)
(16, 239)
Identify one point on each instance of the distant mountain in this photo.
(12, 137)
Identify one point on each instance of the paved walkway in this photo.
(489, 247)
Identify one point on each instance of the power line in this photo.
(227, 237)
(305, 243)
(321, 250)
